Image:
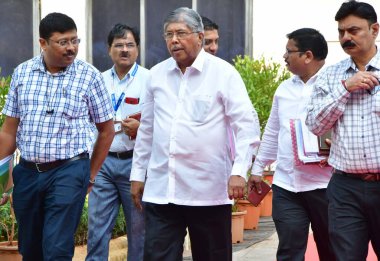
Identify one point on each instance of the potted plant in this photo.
(237, 224)
(8, 226)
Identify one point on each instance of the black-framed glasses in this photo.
(180, 35)
(65, 42)
(287, 51)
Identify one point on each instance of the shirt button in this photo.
(364, 155)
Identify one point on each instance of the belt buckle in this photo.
(37, 167)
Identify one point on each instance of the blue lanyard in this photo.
(115, 104)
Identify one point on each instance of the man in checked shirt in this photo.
(53, 102)
(346, 99)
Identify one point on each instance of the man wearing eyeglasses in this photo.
(126, 83)
(299, 190)
(182, 149)
(52, 106)
(346, 99)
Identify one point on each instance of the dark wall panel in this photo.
(230, 17)
(16, 30)
(156, 11)
(105, 14)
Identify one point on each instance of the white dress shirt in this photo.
(133, 85)
(182, 143)
(354, 118)
(289, 102)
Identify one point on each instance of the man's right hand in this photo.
(4, 199)
(254, 181)
(137, 190)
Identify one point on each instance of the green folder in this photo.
(6, 165)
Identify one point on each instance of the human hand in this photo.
(130, 126)
(137, 190)
(236, 185)
(254, 181)
(361, 80)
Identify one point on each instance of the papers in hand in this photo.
(306, 145)
(6, 167)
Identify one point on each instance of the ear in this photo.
(375, 29)
(201, 36)
(43, 43)
(309, 56)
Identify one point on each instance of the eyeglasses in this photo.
(180, 35)
(287, 51)
(120, 46)
(65, 43)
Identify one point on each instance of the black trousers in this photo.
(209, 229)
(354, 217)
(292, 214)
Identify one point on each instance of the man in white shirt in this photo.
(126, 84)
(299, 191)
(346, 99)
(182, 147)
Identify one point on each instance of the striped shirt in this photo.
(57, 111)
(354, 118)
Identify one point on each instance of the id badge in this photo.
(117, 126)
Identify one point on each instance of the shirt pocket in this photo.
(201, 107)
(75, 106)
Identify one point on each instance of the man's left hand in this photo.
(236, 186)
(130, 126)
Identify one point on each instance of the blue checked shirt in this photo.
(354, 118)
(78, 97)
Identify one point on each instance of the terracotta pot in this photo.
(268, 176)
(266, 205)
(237, 226)
(9, 253)
(251, 219)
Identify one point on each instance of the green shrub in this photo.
(261, 79)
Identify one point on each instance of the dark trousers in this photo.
(354, 217)
(292, 214)
(48, 207)
(209, 229)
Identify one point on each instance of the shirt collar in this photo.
(349, 64)
(40, 66)
(197, 64)
(131, 72)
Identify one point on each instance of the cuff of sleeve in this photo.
(138, 175)
(257, 170)
(237, 170)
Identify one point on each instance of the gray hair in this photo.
(185, 15)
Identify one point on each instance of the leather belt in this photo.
(121, 155)
(42, 167)
(365, 176)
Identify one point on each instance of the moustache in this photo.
(125, 54)
(69, 53)
(348, 44)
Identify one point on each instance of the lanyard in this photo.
(115, 104)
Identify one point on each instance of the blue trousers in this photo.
(48, 207)
(112, 188)
(293, 213)
(354, 217)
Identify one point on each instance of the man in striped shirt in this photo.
(52, 106)
(346, 99)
